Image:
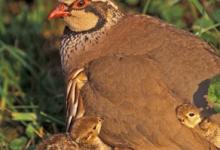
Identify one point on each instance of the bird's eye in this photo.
(191, 114)
(79, 4)
(94, 128)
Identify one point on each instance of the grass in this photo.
(31, 82)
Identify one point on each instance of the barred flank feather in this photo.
(74, 103)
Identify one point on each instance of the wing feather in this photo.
(74, 103)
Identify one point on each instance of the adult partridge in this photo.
(138, 70)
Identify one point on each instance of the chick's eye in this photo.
(191, 114)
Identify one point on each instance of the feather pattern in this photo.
(74, 103)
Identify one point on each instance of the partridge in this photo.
(59, 141)
(188, 115)
(83, 135)
(138, 69)
(85, 132)
(191, 117)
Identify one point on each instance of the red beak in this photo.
(61, 10)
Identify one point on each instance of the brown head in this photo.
(86, 129)
(188, 115)
(85, 15)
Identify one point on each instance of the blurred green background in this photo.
(31, 81)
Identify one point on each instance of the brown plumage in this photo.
(210, 131)
(135, 65)
(58, 142)
(138, 107)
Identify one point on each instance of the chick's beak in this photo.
(61, 10)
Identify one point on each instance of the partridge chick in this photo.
(190, 116)
(211, 131)
(83, 136)
(85, 132)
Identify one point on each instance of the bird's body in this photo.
(210, 131)
(139, 69)
(176, 52)
(141, 116)
(59, 141)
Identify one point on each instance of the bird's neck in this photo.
(97, 144)
(75, 43)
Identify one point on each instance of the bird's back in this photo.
(138, 108)
(186, 62)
